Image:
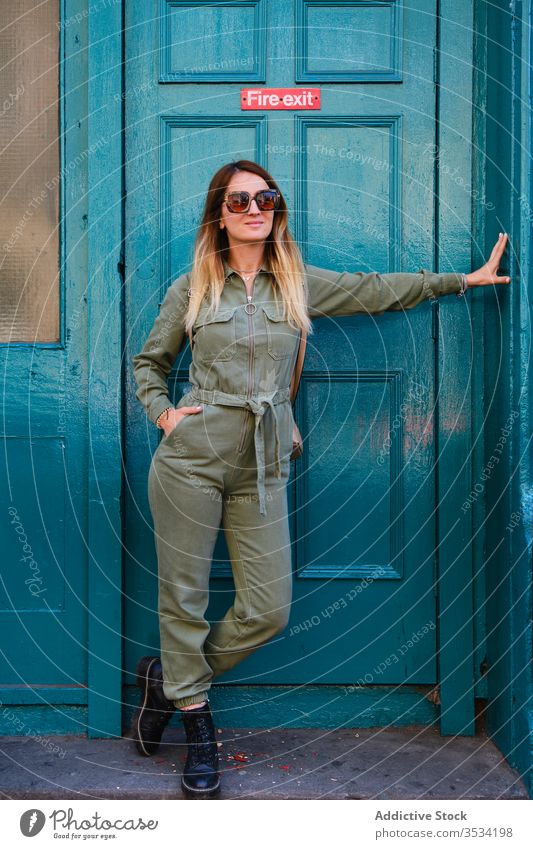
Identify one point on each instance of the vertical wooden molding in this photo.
(522, 506)
(104, 105)
(454, 371)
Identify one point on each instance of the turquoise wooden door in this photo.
(44, 365)
(359, 178)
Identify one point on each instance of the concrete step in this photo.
(412, 762)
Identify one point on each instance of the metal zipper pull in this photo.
(250, 304)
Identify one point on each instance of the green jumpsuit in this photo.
(229, 464)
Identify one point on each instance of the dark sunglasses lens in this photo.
(267, 200)
(238, 201)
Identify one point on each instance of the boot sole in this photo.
(143, 668)
(192, 793)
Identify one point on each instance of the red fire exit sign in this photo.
(280, 98)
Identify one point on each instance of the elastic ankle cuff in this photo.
(191, 700)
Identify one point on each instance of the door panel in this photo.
(43, 361)
(359, 183)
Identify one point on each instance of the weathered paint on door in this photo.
(43, 472)
(60, 538)
(359, 178)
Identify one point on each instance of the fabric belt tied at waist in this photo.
(258, 404)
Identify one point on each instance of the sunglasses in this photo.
(266, 200)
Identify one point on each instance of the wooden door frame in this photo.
(105, 347)
(454, 372)
(454, 428)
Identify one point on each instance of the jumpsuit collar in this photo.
(228, 270)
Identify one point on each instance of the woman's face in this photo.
(251, 226)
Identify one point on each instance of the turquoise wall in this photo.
(503, 512)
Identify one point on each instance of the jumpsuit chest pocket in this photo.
(215, 336)
(281, 337)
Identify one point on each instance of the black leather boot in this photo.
(200, 777)
(155, 710)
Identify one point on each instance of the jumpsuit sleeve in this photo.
(152, 365)
(348, 292)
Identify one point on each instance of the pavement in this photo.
(411, 762)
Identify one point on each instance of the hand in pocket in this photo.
(175, 416)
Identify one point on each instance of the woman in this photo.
(226, 446)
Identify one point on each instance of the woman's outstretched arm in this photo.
(346, 293)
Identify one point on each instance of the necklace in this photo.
(247, 275)
(249, 306)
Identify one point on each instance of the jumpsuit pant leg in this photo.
(199, 479)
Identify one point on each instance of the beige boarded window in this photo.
(29, 171)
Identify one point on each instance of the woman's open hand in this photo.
(487, 274)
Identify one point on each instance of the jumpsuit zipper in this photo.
(250, 366)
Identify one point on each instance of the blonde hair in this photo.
(212, 246)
